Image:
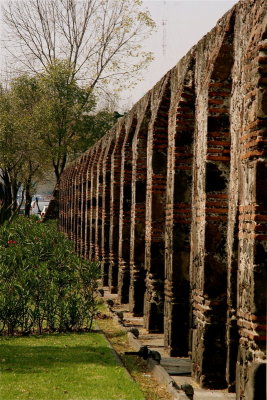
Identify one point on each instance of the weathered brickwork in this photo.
(173, 204)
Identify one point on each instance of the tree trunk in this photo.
(28, 198)
(6, 211)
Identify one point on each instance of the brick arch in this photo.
(209, 279)
(138, 208)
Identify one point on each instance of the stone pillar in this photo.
(93, 195)
(252, 235)
(78, 204)
(72, 202)
(88, 202)
(157, 146)
(209, 226)
(178, 209)
(125, 210)
(86, 161)
(115, 207)
(138, 214)
(105, 227)
(99, 200)
(63, 201)
(68, 205)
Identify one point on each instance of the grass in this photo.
(62, 366)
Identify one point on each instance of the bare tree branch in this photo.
(93, 35)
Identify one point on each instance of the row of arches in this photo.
(172, 202)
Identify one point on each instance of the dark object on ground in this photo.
(134, 331)
(52, 211)
(145, 353)
(100, 315)
(188, 389)
(110, 302)
(101, 292)
(119, 315)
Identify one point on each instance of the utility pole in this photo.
(164, 30)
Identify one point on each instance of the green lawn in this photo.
(62, 367)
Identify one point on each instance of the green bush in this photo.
(44, 284)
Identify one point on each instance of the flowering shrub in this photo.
(44, 284)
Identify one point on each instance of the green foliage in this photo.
(62, 108)
(46, 120)
(44, 284)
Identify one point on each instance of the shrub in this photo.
(44, 284)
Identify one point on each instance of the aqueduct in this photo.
(172, 202)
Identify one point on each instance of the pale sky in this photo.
(185, 23)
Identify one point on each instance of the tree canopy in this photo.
(101, 40)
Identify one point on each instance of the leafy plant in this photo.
(44, 284)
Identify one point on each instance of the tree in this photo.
(45, 120)
(99, 39)
(25, 96)
(62, 110)
(10, 157)
(21, 158)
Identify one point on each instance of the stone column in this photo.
(138, 214)
(99, 200)
(252, 234)
(86, 162)
(63, 201)
(178, 208)
(78, 204)
(68, 204)
(105, 227)
(211, 193)
(72, 202)
(125, 209)
(88, 202)
(115, 207)
(93, 194)
(157, 146)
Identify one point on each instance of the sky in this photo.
(185, 23)
(180, 25)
